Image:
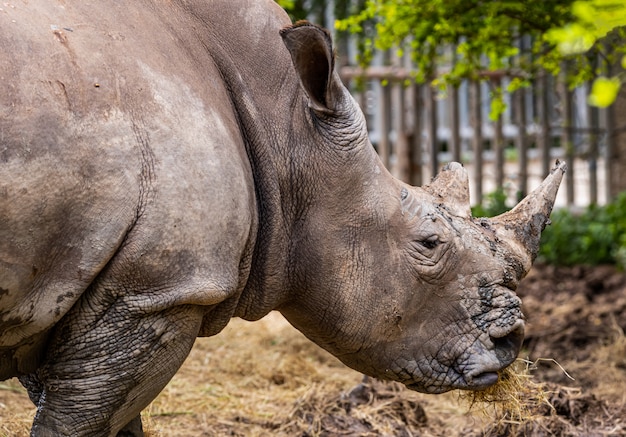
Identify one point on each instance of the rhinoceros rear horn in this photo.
(523, 224)
(452, 186)
(312, 55)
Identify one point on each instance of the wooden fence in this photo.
(415, 130)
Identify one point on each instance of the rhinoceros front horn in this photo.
(523, 225)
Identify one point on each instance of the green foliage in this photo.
(315, 10)
(597, 236)
(483, 33)
(286, 4)
(485, 36)
(497, 103)
(493, 204)
(594, 20)
(604, 91)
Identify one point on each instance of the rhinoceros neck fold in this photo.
(255, 101)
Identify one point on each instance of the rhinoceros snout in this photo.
(507, 343)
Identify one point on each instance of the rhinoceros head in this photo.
(400, 282)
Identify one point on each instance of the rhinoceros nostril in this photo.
(507, 344)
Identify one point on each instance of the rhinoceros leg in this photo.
(106, 362)
(132, 429)
(34, 387)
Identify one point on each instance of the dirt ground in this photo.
(265, 379)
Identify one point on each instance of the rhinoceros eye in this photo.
(430, 242)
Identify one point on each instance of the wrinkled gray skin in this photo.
(166, 166)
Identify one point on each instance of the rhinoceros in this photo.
(166, 166)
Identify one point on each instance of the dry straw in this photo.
(516, 400)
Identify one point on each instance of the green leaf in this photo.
(286, 4)
(604, 91)
(571, 39)
(497, 104)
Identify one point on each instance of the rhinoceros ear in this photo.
(311, 50)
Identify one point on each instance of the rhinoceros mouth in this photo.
(477, 368)
(482, 381)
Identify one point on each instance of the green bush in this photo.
(595, 236)
(493, 204)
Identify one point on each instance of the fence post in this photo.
(592, 125)
(498, 142)
(543, 139)
(432, 131)
(384, 108)
(610, 152)
(455, 141)
(610, 144)
(566, 134)
(521, 142)
(477, 121)
(401, 146)
(416, 140)
(361, 96)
